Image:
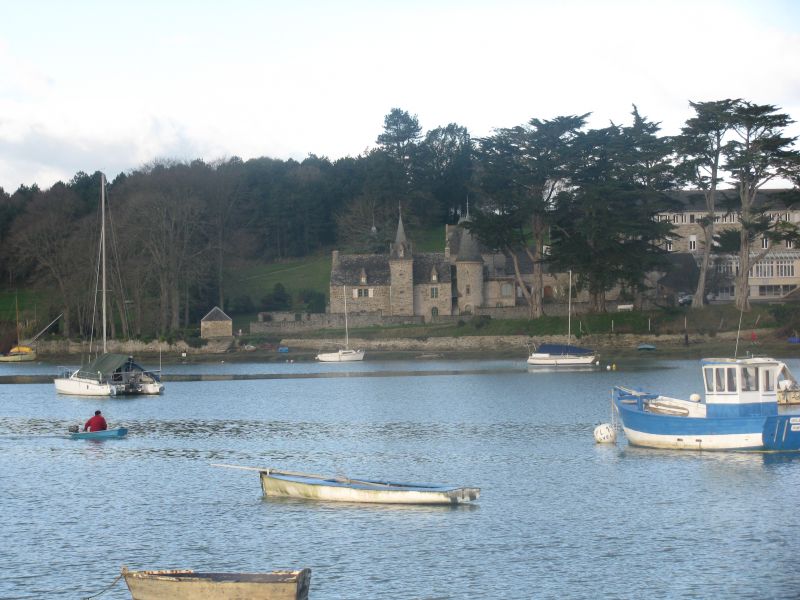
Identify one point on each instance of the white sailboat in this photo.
(562, 355)
(110, 374)
(343, 354)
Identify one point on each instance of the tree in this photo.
(520, 170)
(604, 225)
(758, 153)
(444, 171)
(401, 133)
(700, 147)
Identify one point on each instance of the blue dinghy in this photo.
(106, 434)
(738, 412)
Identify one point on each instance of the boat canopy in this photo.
(556, 349)
(109, 363)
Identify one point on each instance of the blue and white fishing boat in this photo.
(105, 434)
(739, 411)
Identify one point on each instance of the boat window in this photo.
(749, 379)
(720, 379)
(731, 380)
(768, 383)
(709, 380)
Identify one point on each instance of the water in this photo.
(559, 516)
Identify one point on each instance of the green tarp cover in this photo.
(105, 364)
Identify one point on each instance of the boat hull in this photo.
(18, 356)
(341, 356)
(756, 433)
(105, 434)
(190, 585)
(566, 360)
(77, 386)
(286, 485)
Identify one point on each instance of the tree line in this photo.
(581, 199)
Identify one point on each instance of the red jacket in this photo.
(96, 423)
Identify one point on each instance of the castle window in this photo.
(692, 242)
(363, 277)
(765, 242)
(669, 245)
(365, 292)
(434, 292)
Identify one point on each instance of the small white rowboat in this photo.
(190, 585)
(289, 484)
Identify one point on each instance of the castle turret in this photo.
(469, 271)
(401, 267)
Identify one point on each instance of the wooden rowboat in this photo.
(290, 484)
(105, 434)
(190, 585)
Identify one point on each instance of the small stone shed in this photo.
(216, 324)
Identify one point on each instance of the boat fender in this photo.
(605, 434)
(695, 397)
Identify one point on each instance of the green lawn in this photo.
(256, 281)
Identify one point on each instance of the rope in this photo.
(103, 591)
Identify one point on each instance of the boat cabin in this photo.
(741, 387)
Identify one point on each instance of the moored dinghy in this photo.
(290, 484)
(739, 410)
(190, 585)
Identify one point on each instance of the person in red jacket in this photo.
(96, 423)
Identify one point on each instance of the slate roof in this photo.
(347, 270)
(424, 263)
(216, 314)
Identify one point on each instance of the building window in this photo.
(434, 277)
(789, 244)
(365, 292)
(669, 245)
(691, 218)
(764, 242)
(434, 312)
(506, 290)
(467, 290)
(784, 267)
(692, 242)
(434, 292)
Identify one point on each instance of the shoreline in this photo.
(609, 347)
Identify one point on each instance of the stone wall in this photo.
(215, 329)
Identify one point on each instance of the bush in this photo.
(315, 301)
(241, 305)
(279, 299)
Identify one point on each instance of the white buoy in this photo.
(605, 434)
(695, 397)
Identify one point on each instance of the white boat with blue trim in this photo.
(739, 411)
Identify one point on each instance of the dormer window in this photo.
(434, 276)
(363, 277)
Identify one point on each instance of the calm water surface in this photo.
(559, 516)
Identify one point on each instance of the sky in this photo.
(112, 85)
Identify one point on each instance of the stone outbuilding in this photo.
(216, 324)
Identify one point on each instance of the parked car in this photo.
(684, 299)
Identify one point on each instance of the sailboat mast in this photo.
(103, 250)
(346, 334)
(569, 308)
